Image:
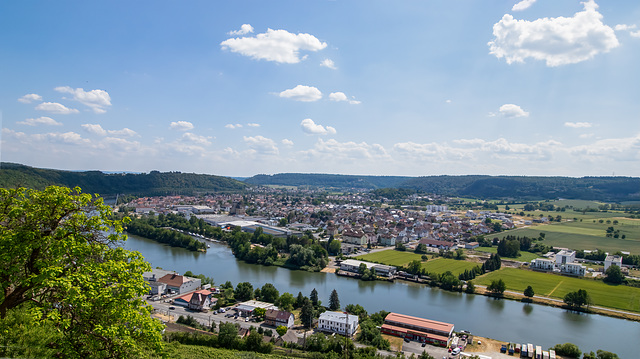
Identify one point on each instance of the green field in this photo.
(585, 235)
(557, 286)
(524, 256)
(397, 258)
(391, 257)
(441, 265)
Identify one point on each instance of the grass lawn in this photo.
(557, 286)
(391, 257)
(524, 256)
(585, 235)
(441, 265)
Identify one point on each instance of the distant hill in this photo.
(145, 184)
(327, 180)
(612, 189)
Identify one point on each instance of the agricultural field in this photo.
(441, 265)
(524, 256)
(585, 235)
(557, 286)
(391, 257)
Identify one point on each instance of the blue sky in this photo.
(352, 87)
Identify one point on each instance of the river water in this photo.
(499, 319)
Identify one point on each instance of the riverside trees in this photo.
(61, 262)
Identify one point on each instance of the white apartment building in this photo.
(338, 322)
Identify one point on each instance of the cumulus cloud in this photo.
(29, 98)
(181, 126)
(261, 144)
(97, 100)
(275, 45)
(340, 96)
(57, 108)
(577, 124)
(523, 5)
(329, 64)
(232, 126)
(253, 124)
(346, 151)
(72, 138)
(557, 41)
(197, 139)
(630, 28)
(287, 142)
(97, 129)
(40, 121)
(244, 29)
(512, 111)
(302, 93)
(312, 128)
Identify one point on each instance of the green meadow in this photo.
(557, 286)
(435, 266)
(524, 256)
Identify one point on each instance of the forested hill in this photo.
(327, 180)
(148, 184)
(615, 189)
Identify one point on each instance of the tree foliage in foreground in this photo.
(61, 260)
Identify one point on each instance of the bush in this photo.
(281, 330)
(567, 350)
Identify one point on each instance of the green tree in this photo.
(567, 350)
(471, 288)
(314, 297)
(306, 314)
(281, 330)
(244, 291)
(497, 286)
(61, 259)
(334, 301)
(259, 313)
(529, 292)
(285, 302)
(299, 300)
(602, 354)
(414, 267)
(614, 275)
(577, 299)
(227, 335)
(269, 293)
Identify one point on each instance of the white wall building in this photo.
(612, 260)
(338, 322)
(565, 256)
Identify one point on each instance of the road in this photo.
(201, 317)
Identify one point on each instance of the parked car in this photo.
(406, 340)
(172, 307)
(424, 344)
(455, 351)
(246, 319)
(221, 310)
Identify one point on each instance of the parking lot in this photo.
(417, 348)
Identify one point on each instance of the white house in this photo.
(612, 260)
(542, 263)
(565, 256)
(338, 322)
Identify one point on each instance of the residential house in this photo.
(179, 283)
(612, 260)
(276, 318)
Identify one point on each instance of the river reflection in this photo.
(484, 316)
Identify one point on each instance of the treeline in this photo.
(155, 183)
(141, 227)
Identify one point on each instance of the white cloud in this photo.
(329, 64)
(66, 137)
(523, 5)
(181, 126)
(29, 98)
(97, 129)
(557, 41)
(625, 27)
(57, 108)
(302, 93)
(197, 139)
(512, 111)
(340, 96)
(244, 29)
(577, 124)
(448, 101)
(261, 144)
(97, 100)
(346, 151)
(312, 128)
(287, 142)
(232, 126)
(253, 124)
(40, 121)
(274, 45)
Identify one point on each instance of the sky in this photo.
(367, 87)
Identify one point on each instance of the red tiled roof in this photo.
(411, 331)
(174, 280)
(418, 322)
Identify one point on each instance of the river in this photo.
(494, 318)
